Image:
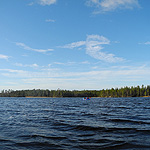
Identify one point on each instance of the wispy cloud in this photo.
(74, 45)
(4, 56)
(93, 46)
(111, 5)
(50, 20)
(145, 43)
(22, 45)
(16, 73)
(47, 2)
(13, 71)
(79, 80)
(27, 65)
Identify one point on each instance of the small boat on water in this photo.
(86, 98)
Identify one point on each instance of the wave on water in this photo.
(73, 124)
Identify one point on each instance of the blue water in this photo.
(74, 124)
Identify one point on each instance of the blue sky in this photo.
(74, 44)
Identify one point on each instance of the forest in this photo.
(113, 92)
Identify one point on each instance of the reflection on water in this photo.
(71, 123)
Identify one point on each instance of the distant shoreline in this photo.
(65, 97)
(75, 97)
(143, 91)
(39, 97)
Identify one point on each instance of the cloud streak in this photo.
(94, 46)
(111, 5)
(47, 2)
(22, 45)
(50, 20)
(147, 43)
(4, 56)
(30, 65)
(74, 45)
(78, 80)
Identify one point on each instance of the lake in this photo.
(74, 124)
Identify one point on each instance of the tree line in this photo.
(113, 92)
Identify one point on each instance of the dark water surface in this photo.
(74, 124)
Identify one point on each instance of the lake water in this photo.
(74, 124)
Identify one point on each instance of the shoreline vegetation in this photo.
(143, 91)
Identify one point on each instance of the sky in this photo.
(74, 44)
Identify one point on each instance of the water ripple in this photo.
(73, 124)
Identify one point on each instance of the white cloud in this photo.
(59, 63)
(93, 46)
(74, 45)
(33, 49)
(34, 65)
(78, 80)
(47, 2)
(147, 43)
(110, 5)
(50, 20)
(26, 65)
(4, 56)
(85, 62)
(69, 63)
(13, 71)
